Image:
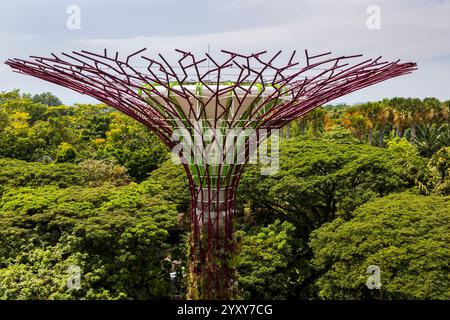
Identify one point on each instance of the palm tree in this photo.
(384, 116)
(357, 122)
(400, 115)
(446, 111)
(439, 166)
(407, 113)
(434, 109)
(370, 110)
(431, 138)
(316, 119)
(415, 109)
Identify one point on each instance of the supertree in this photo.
(196, 103)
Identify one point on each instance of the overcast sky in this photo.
(411, 30)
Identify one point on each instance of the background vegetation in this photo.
(358, 185)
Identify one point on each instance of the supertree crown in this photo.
(242, 90)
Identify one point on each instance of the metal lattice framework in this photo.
(253, 91)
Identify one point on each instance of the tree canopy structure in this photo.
(201, 100)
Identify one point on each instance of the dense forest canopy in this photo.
(358, 185)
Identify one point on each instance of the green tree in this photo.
(44, 273)
(17, 173)
(264, 260)
(318, 181)
(175, 185)
(118, 237)
(4, 120)
(406, 235)
(66, 153)
(9, 95)
(98, 172)
(133, 146)
(439, 166)
(46, 98)
(413, 167)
